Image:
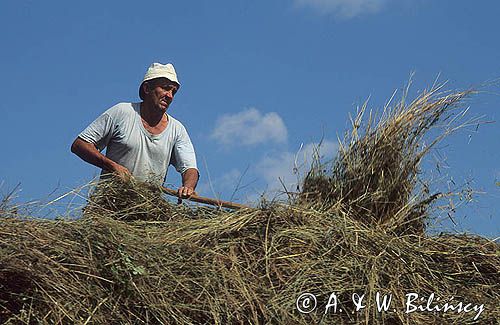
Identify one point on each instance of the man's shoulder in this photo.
(122, 110)
(176, 124)
(173, 120)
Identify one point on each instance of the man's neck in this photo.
(150, 114)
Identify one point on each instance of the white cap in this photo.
(158, 70)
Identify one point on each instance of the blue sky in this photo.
(259, 79)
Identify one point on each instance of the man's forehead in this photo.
(165, 82)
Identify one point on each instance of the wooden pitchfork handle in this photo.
(206, 200)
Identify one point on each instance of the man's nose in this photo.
(170, 94)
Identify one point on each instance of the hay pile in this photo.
(355, 229)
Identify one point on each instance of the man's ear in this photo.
(146, 87)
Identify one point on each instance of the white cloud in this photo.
(343, 8)
(291, 167)
(276, 167)
(250, 127)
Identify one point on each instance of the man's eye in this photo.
(167, 88)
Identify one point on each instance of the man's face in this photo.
(161, 92)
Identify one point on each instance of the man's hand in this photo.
(122, 172)
(189, 181)
(184, 192)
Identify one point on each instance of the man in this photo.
(141, 138)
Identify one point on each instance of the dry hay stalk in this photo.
(375, 174)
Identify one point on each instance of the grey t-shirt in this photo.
(145, 155)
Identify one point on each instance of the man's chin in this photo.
(163, 107)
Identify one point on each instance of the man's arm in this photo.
(89, 153)
(189, 182)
